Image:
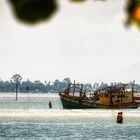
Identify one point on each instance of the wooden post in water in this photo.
(16, 91)
(27, 92)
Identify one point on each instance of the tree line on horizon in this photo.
(16, 83)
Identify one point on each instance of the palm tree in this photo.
(16, 78)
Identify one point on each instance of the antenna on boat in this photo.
(133, 83)
(81, 90)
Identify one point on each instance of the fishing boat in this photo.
(113, 97)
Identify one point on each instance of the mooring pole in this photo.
(16, 91)
(28, 92)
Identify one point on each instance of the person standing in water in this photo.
(50, 104)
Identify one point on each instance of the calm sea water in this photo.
(29, 118)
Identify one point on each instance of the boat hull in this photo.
(70, 102)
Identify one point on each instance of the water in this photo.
(29, 118)
(31, 101)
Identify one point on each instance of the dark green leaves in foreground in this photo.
(77, 0)
(33, 11)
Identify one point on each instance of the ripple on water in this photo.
(64, 131)
(31, 119)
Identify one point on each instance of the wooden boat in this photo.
(113, 97)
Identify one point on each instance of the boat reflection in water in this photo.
(113, 97)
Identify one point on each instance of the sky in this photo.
(86, 42)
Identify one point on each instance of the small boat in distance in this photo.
(111, 97)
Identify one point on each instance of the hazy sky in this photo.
(86, 42)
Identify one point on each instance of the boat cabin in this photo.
(114, 95)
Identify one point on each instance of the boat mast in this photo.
(133, 91)
(68, 87)
(123, 92)
(73, 87)
(81, 90)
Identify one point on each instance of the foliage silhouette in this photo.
(33, 11)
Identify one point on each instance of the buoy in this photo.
(120, 117)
